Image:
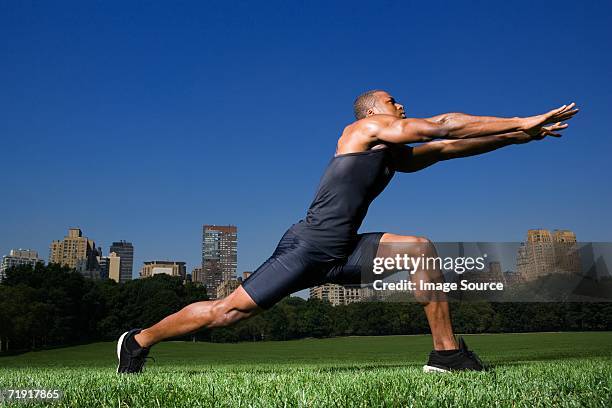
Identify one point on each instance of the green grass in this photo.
(530, 370)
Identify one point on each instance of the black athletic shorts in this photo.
(297, 264)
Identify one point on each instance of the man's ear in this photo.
(370, 112)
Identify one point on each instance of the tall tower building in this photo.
(125, 251)
(75, 251)
(219, 255)
(545, 252)
(567, 256)
(18, 257)
(103, 265)
(114, 267)
(197, 276)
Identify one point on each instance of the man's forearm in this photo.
(463, 126)
(453, 149)
(408, 160)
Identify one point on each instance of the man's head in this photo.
(377, 102)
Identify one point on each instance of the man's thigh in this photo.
(359, 262)
(358, 269)
(293, 266)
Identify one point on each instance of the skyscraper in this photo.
(196, 275)
(545, 252)
(103, 262)
(113, 263)
(125, 251)
(219, 255)
(77, 252)
(18, 257)
(567, 256)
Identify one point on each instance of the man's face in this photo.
(387, 105)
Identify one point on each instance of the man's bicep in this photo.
(404, 131)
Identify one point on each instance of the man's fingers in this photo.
(570, 106)
(551, 133)
(557, 111)
(567, 114)
(559, 125)
(563, 109)
(553, 130)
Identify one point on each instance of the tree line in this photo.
(48, 306)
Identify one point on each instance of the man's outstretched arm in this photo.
(410, 159)
(463, 126)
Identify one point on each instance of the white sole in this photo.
(432, 369)
(119, 344)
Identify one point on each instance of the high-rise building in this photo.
(114, 267)
(103, 265)
(246, 274)
(567, 256)
(18, 257)
(522, 262)
(109, 266)
(197, 276)
(219, 255)
(77, 252)
(544, 253)
(172, 268)
(125, 251)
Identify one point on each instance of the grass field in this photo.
(528, 370)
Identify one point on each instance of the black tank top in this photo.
(349, 185)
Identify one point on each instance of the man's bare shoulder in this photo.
(370, 125)
(362, 134)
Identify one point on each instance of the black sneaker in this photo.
(462, 359)
(130, 361)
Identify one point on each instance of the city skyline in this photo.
(562, 235)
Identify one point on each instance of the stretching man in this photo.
(325, 247)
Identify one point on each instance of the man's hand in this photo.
(535, 123)
(540, 132)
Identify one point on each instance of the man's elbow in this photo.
(448, 125)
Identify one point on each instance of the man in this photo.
(325, 247)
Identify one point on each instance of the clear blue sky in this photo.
(144, 120)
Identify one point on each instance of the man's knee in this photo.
(226, 311)
(219, 313)
(414, 246)
(418, 246)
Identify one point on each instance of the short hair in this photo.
(364, 102)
